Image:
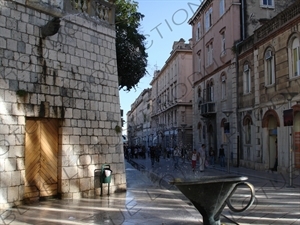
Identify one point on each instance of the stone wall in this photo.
(70, 76)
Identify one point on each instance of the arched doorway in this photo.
(271, 122)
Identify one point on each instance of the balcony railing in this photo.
(278, 21)
(103, 10)
(207, 108)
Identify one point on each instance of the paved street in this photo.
(147, 201)
(276, 202)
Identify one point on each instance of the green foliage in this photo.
(21, 93)
(130, 44)
(118, 129)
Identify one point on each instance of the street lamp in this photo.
(227, 113)
(289, 96)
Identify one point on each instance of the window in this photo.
(182, 116)
(203, 132)
(209, 49)
(209, 92)
(224, 137)
(267, 3)
(199, 92)
(199, 62)
(247, 79)
(208, 19)
(247, 128)
(222, 7)
(198, 31)
(223, 52)
(296, 57)
(199, 131)
(269, 68)
(223, 86)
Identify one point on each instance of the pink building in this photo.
(215, 30)
(218, 27)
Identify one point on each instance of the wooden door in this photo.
(41, 151)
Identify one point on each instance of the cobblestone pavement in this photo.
(151, 200)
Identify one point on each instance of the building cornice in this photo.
(174, 53)
(275, 26)
(200, 9)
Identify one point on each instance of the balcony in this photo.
(279, 21)
(208, 109)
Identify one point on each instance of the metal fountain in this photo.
(210, 195)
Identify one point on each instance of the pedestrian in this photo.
(129, 152)
(276, 158)
(222, 156)
(202, 156)
(135, 152)
(211, 156)
(176, 157)
(183, 154)
(194, 159)
(152, 155)
(157, 153)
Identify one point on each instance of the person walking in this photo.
(176, 157)
(211, 156)
(183, 154)
(276, 158)
(152, 155)
(194, 159)
(202, 156)
(222, 156)
(158, 150)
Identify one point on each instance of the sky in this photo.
(165, 21)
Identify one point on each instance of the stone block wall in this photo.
(70, 76)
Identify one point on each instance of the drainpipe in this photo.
(243, 36)
(243, 19)
(237, 105)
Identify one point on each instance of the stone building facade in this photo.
(268, 81)
(139, 120)
(218, 27)
(171, 118)
(60, 109)
(213, 66)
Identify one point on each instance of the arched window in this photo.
(247, 129)
(269, 68)
(295, 57)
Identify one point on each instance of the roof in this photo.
(197, 11)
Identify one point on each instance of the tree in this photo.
(130, 44)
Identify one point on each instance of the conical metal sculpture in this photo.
(210, 194)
